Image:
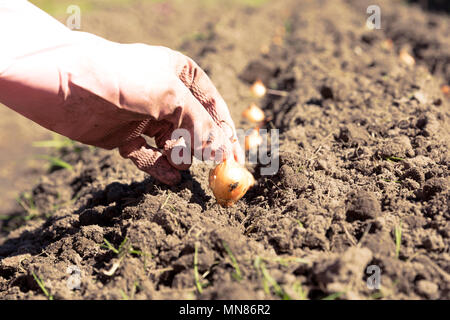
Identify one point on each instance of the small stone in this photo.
(433, 242)
(415, 174)
(93, 232)
(338, 270)
(292, 179)
(353, 135)
(420, 161)
(427, 289)
(363, 205)
(397, 147)
(429, 124)
(411, 184)
(421, 97)
(434, 186)
(321, 165)
(326, 92)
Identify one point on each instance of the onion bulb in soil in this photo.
(229, 182)
(254, 113)
(253, 140)
(258, 89)
(446, 90)
(406, 58)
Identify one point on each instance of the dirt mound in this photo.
(363, 179)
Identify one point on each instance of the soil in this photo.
(19, 166)
(363, 180)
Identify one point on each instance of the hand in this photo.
(111, 95)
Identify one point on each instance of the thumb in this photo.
(150, 160)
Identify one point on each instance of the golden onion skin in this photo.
(258, 89)
(229, 182)
(253, 140)
(253, 113)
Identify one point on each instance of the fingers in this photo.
(150, 160)
(206, 139)
(238, 153)
(192, 132)
(178, 154)
(172, 146)
(202, 88)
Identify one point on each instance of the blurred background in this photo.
(434, 5)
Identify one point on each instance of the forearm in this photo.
(44, 67)
(32, 46)
(25, 30)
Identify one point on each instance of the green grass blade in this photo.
(109, 246)
(124, 295)
(269, 281)
(57, 144)
(196, 275)
(398, 239)
(394, 159)
(237, 275)
(333, 296)
(41, 285)
(56, 162)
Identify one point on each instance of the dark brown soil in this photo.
(363, 155)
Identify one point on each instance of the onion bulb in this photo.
(254, 113)
(258, 89)
(406, 58)
(278, 40)
(446, 90)
(387, 45)
(229, 182)
(253, 140)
